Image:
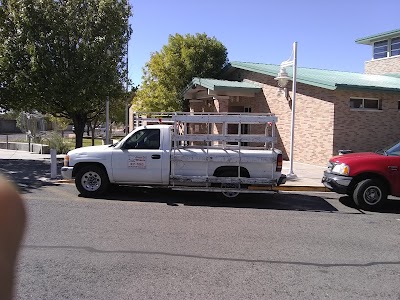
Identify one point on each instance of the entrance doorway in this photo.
(234, 128)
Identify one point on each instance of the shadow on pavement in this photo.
(27, 174)
(391, 206)
(279, 201)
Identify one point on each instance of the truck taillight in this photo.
(279, 163)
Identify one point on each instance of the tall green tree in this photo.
(171, 69)
(63, 57)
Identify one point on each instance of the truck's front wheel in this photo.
(370, 194)
(92, 181)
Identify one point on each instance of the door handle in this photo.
(156, 156)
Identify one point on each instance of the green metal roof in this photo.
(378, 37)
(393, 75)
(223, 85)
(327, 79)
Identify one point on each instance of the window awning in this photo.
(202, 88)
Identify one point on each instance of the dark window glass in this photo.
(380, 49)
(395, 52)
(398, 105)
(395, 47)
(380, 55)
(144, 139)
(356, 103)
(365, 103)
(396, 40)
(382, 43)
(368, 103)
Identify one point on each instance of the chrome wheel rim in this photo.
(230, 194)
(372, 195)
(91, 181)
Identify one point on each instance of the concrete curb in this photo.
(301, 188)
(65, 181)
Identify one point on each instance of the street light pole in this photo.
(283, 80)
(291, 174)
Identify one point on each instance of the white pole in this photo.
(127, 87)
(291, 174)
(53, 163)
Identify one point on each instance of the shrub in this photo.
(56, 141)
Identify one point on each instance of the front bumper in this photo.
(66, 172)
(336, 183)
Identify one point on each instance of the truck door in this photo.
(139, 160)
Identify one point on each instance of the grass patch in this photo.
(86, 142)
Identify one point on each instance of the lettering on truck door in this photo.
(139, 160)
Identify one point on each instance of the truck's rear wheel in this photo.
(370, 194)
(92, 181)
(230, 194)
(231, 173)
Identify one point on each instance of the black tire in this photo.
(370, 194)
(92, 181)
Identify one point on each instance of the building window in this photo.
(395, 47)
(365, 104)
(380, 49)
(398, 105)
(387, 48)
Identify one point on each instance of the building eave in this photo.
(369, 40)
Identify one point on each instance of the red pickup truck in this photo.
(367, 177)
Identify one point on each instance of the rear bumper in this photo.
(336, 183)
(281, 180)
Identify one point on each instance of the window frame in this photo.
(379, 106)
(389, 51)
(137, 140)
(394, 41)
(374, 47)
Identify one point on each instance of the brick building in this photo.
(334, 110)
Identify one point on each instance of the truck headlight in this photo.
(341, 169)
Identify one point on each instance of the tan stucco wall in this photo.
(383, 66)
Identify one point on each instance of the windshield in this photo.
(392, 150)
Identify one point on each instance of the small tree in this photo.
(169, 71)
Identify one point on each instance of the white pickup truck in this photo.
(227, 153)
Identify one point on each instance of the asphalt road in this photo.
(155, 244)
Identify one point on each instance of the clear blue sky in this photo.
(263, 31)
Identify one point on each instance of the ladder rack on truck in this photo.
(208, 139)
(215, 129)
(148, 118)
(212, 128)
